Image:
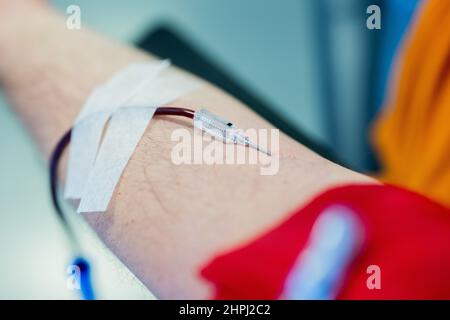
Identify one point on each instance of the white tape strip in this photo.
(85, 140)
(165, 89)
(123, 133)
(125, 129)
(124, 86)
(90, 123)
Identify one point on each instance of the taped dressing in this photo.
(97, 110)
(125, 129)
(99, 152)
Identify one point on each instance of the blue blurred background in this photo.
(312, 63)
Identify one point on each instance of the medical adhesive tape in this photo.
(127, 102)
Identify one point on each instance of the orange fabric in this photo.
(412, 135)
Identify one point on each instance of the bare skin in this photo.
(164, 221)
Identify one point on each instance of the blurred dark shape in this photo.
(164, 42)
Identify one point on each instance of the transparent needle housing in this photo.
(222, 129)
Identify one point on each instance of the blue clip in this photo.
(86, 288)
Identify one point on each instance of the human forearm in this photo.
(164, 221)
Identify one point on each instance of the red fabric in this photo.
(406, 235)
